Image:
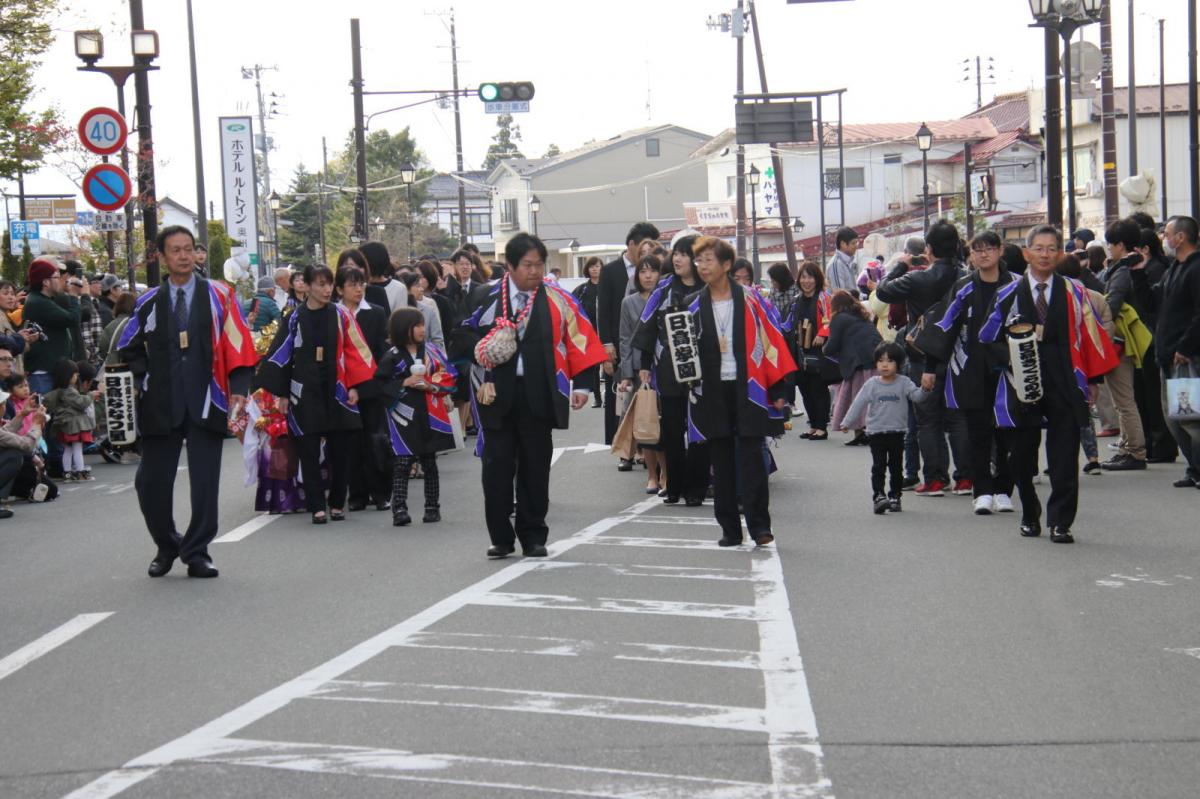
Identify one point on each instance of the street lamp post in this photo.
(1066, 17)
(89, 48)
(408, 174)
(753, 179)
(535, 205)
(924, 144)
(275, 202)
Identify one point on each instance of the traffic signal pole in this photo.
(458, 143)
(360, 136)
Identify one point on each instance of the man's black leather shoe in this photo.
(729, 542)
(160, 565)
(671, 499)
(535, 552)
(357, 504)
(1184, 482)
(693, 502)
(202, 568)
(500, 552)
(1031, 529)
(1061, 535)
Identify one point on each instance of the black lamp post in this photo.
(753, 178)
(408, 174)
(89, 48)
(1066, 17)
(275, 202)
(924, 144)
(535, 205)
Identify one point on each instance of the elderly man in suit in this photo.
(192, 357)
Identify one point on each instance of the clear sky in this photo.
(599, 67)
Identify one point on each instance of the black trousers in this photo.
(983, 439)
(402, 468)
(1062, 455)
(887, 457)
(518, 452)
(611, 420)
(687, 464)
(934, 423)
(11, 461)
(1147, 393)
(155, 485)
(815, 395)
(735, 457)
(370, 472)
(337, 458)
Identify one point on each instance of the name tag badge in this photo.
(183, 340)
(724, 344)
(1038, 330)
(320, 356)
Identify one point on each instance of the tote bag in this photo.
(1183, 395)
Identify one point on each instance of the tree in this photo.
(552, 151)
(219, 247)
(301, 239)
(504, 142)
(25, 136)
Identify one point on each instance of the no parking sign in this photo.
(107, 187)
(103, 131)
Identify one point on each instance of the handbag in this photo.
(822, 365)
(646, 428)
(1183, 395)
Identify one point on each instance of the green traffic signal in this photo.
(521, 91)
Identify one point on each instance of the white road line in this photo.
(208, 738)
(701, 520)
(654, 571)
(653, 607)
(240, 532)
(795, 750)
(616, 708)
(447, 769)
(50, 641)
(657, 543)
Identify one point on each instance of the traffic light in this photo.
(506, 92)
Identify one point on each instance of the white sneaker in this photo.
(1002, 503)
(983, 505)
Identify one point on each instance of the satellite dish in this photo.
(1086, 62)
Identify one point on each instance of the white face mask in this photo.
(1168, 249)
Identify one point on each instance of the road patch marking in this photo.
(241, 531)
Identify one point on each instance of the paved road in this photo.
(926, 654)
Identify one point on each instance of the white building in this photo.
(441, 207)
(589, 197)
(173, 213)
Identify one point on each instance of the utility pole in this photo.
(967, 167)
(359, 232)
(740, 158)
(1193, 120)
(1053, 134)
(145, 155)
(1162, 119)
(458, 142)
(1132, 103)
(202, 233)
(1108, 117)
(268, 214)
(321, 198)
(789, 244)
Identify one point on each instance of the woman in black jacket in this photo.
(587, 294)
(687, 464)
(852, 342)
(807, 327)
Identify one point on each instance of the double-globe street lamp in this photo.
(925, 144)
(89, 48)
(1066, 17)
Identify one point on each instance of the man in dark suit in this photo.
(616, 280)
(1061, 316)
(521, 400)
(192, 355)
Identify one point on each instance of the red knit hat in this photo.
(41, 270)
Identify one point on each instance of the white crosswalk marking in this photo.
(460, 631)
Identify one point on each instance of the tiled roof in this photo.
(1008, 112)
(961, 130)
(983, 152)
(1147, 99)
(445, 187)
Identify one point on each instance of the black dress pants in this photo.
(1147, 393)
(1062, 455)
(687, 464)
(337, 458)
(155, 484)
(733, 457)
(611, 420)
(370, 470)
(982, 440)
(519, 451)
(815, 395)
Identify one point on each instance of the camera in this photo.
(36, 328)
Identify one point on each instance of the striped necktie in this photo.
(1040, 303)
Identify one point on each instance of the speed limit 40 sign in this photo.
(103, 131)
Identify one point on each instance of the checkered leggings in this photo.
(402, 467)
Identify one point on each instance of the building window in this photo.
(1016, 173)
(856, 178)
(652, 148)
(479, 223)
(731, 186)
(892, 158)
(508, 213)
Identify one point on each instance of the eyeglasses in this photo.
(9, 359)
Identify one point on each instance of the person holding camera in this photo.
(54, 311)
